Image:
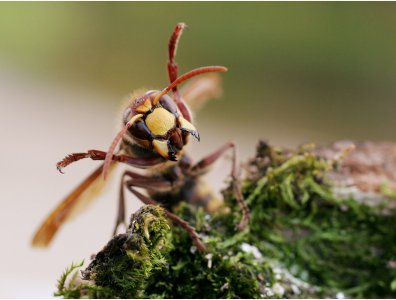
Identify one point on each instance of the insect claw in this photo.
(59, 168)
(242, 225)
(171, 153)
(200, 245)
(172, 157)
(188, 127)
(195, 134)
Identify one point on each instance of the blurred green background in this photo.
(299, 72)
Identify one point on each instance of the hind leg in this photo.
(203, 166)
(137, 180)
(155, 184)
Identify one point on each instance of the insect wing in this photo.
(204, 88)
(72, 205)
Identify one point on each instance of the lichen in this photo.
(302, 241)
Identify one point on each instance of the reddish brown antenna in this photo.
(188, 75)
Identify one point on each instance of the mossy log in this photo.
(322, 225)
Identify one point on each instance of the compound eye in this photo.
(127, 113)
(168, 103)
(139, 130)
(149, 92)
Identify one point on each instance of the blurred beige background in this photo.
(298, 72)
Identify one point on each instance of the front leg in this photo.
(101, 155)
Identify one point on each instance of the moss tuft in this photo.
(302, 241)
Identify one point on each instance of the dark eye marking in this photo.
(168, 103)
(140, 131)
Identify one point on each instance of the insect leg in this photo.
(137, 180)
(187, 227)
(101, 155)
(203, 165)
(121, 206)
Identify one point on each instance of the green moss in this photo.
(333, 243)
(302, 241)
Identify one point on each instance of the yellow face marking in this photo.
(145, 107)
(184, 124)
(161, 147)
(160, 121)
